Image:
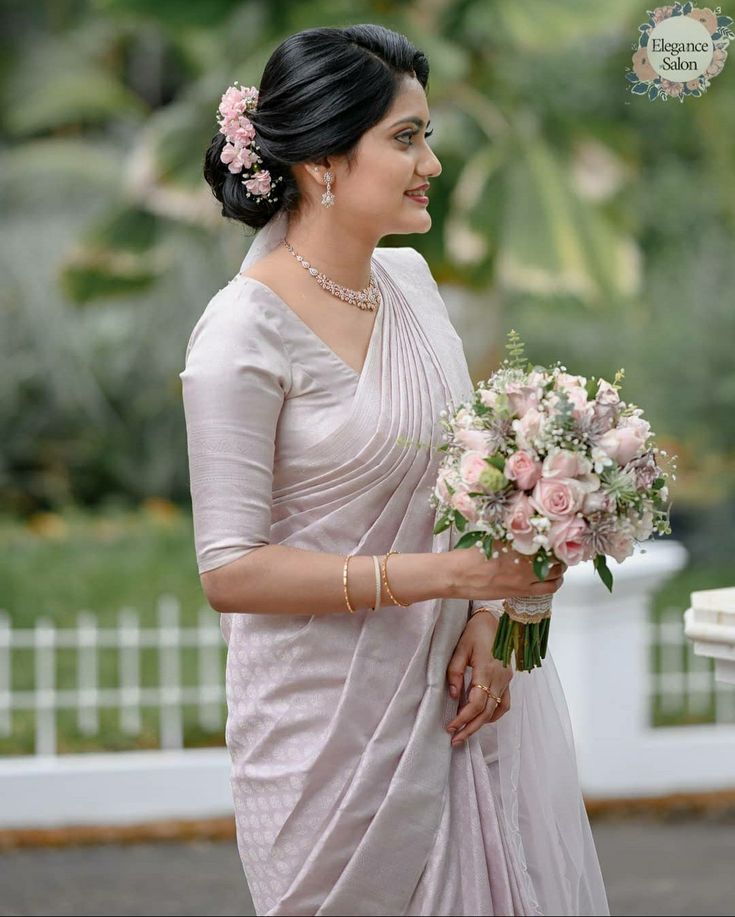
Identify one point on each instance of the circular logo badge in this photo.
(680, 49)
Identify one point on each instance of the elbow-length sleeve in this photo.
(235, 378)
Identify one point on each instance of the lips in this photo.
(418, 191)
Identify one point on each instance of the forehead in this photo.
(409, 103)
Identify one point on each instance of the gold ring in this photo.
(476, 684)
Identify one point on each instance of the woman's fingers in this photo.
(475, 713)
(457, 667)
(503, 706)
(477, 699)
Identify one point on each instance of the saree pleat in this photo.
(348, 796)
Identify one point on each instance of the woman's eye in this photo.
(412, 134)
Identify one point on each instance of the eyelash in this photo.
(410, 134)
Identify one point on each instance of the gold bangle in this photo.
(385, 580)
(344, 583)
(376, 568)
(476, 611)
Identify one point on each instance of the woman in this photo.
(312, 400)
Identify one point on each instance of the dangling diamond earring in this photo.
(328, 197)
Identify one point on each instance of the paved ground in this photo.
(651, 868)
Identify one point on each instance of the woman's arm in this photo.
(276, 579)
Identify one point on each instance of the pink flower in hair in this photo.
(238, 157)
(260, 183)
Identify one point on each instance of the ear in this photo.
(314, 171)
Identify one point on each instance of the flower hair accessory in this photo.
(239, 151)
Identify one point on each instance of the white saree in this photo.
(348, 796)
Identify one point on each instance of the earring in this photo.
(328, 197)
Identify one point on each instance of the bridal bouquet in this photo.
(555, 466)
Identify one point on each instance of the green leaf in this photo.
(442, 524)
(459, 520)
(541, 566)
(603, 571)
(469, 538)
(497, 461)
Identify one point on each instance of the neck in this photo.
(337, 250)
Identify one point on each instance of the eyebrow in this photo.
(417, 121)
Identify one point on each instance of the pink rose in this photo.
(567, 539)
(619, 545)
(471, 466)
(461, 501)
(522, 397)
(626, 440)
(441, 485)
(488, 397)
(472, 439)
(528, 427)
(563, 463)
(582, 407)
(522, 468)
(642, 525)
(598, 501)
(557, 498)
(517, 521)
(606, 393)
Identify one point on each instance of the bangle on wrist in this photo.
(476, 611)
(376, 566)
(344, 583)
(385, 580)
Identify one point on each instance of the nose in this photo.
(433, 166)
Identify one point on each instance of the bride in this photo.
(378, 765)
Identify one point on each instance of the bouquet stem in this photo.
(523, 629)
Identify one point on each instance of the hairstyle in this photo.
(321, 90)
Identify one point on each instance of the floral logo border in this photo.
(644, 80)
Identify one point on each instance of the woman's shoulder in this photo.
(239, 318)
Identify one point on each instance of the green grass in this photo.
(57, 566)
(100, 563)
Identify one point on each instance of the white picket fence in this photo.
(685, 686)
(128, 697)
(601, 645)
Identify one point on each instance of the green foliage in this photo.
(597, 223)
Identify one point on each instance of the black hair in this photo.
(321, 90)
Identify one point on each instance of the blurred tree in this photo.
(562, 195)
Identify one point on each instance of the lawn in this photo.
(59, 565)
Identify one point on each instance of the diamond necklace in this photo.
(369, 298)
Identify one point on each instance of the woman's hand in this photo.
(475, 576)
(475, 649)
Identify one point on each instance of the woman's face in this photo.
(392, 157)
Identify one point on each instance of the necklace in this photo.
(369, 298)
